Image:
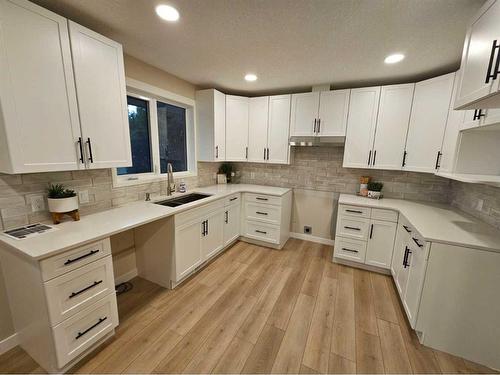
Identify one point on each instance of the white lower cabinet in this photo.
(232, 219)
(187, 248)
(213, 240)
(380, 243)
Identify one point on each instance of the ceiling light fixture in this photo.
(394, 58)
(250, 77)
(167, 12)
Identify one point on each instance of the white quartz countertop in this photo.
(104, 224)
(437, 222)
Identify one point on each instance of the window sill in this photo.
(123, 181)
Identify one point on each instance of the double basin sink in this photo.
(179, 201)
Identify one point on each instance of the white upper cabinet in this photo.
(211, 125)
(102, 100)
(304, 114)
(392, 126)
(429, 113)
(258, 114)
(39, 126)
(278, 149)
(236, 128)
(333, 110)
(361, 124)
(479, 79)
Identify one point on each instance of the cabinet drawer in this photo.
(353, 250)
(78, 289)
(78, 333)
(195, 213)
(262, 232)
(74, 258)
(356, 228)
(262, 212)
(354, 211)
(232, 199)
(386, 215)
(263, 199)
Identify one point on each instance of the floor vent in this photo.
(28, 231)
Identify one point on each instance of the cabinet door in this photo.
(38, 107)
(398, 254)
(392, 126)
(220, 125)
(187, 248)
(333, 109)
(402, 276)
(210, 125)
(236, 128)
(427, 123)
(278, 131)
(380, 243)
(213, 240)
(304, 114)
(361, 123)
(102, 101)
(417, 261)
(232, 219)
(258, 113)
(483, 31)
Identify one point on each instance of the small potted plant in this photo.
(227, 169)
(374, 189)
(61, 200)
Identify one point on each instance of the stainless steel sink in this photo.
(179, 201)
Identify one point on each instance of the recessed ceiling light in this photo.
(167, 12)
(250, 77)
(394, 58)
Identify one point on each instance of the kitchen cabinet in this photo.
(278, 149)
(304, 114)
(211, 125)
(258, 117)
(429, 113)
(232, 219)
(479, 78)
(392, 126)
(102, 100)
(188, 253)
(236, 128)
(400, 244)
(361, 124)
(212, 240)
(380, 243)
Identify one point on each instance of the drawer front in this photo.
(353, 250)
(262, 232)
(74, 291)
(72, 259)
(263, 199)
(356, 228)
(194, 214)
(262, 212)
(385, 215)
(232, 199)
(78, 333)
(354, 211)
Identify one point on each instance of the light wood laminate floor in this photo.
(256, 310)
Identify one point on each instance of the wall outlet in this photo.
(83, 196)
(37, 203)
(479, 204)
(308, 229)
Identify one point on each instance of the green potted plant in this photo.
(61, 200)
(226, 169)
(374, 189)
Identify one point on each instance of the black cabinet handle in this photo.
(261, 199)
(204, 228)
(90, 253)
(374, 156)
(264, 153)
(314, 127)
(268, 153)
(227, 217)
(261, 213)
(216, 152)
(319, 126)
(489, 74)
(260, 231)
(416, 241)
(437, 159)
(405, 258)
(80, 334)
(354, 211)
(80, 145)
(349, 250)
(369, 157)
(371, 232)
(91, 157)
(246, 152)
(93, 285)
(404, 158)
(353, 228)
(407, 229)
(478, 113)
(233, 199)
(208, 230)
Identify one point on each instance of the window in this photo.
(161, 132)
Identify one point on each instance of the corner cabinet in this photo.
(211, 125)
(65, 109)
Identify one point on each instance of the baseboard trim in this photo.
(363, 266)
(8, 343)
(126, 276)
(308, 237)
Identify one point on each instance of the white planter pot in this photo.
(374, 194)
(63, 204)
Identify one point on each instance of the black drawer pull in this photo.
(261, 199)
(260, 231)
(371, 232)
(353, 228)
(93, 285)
(407, 229)
(226, 219)
(261, 213)
(354, 211)
(349, 250)
(405, 258)
(80, 334)
(90, 253)
(233, 199)
(416, 241)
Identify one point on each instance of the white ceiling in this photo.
(289, 44)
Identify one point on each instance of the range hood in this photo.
(324, 141)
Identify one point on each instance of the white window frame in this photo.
(152, 94)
